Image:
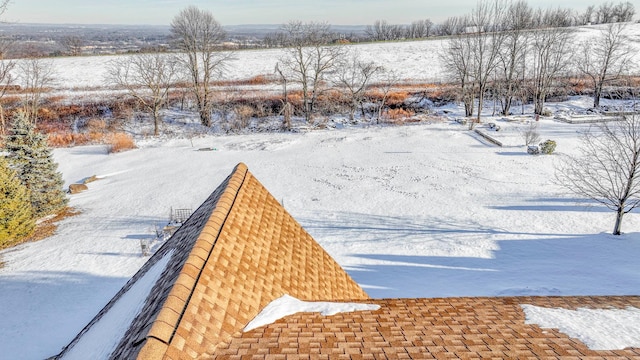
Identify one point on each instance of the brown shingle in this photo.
(239, 251)
(402, 328)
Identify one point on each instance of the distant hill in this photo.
(26, 31)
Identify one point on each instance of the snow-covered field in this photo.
(424, 210)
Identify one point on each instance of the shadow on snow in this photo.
(514, 263)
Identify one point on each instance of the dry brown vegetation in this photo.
(83, 121)
(398, 114)
(119, 141)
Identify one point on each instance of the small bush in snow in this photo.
(399, 114)
(547, 147)
(533, 150)
(118, 142)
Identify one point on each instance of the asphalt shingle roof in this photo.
(238, 252)
(440, 328)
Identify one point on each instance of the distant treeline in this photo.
(381, 30)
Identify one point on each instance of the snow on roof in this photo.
(101, 339)
(438, 328)
(289, 305)
(599, 329)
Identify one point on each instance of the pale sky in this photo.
(234, 12)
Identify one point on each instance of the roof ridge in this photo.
(199, 256)
(237, 252)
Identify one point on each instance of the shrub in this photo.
(96, 125)
(398, 114)
(397, 97)
(30, 155)
(16, 216)
(95, 137)
(120, 142)
(66, 139)
(392, 98)
(259, 80)
(547, 147)
(243, 115)
(531, 134)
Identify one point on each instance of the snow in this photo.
(105, 334)
(599, 329)
(288, 305)
(426, 210)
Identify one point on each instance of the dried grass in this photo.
(119, 142)
(398, 115)
(60, 140)
(96, 125)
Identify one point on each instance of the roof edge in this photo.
(168, 319)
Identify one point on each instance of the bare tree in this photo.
(146, 77)
(419, 29)
(605, 13)
(6, 69)
(530, 135)
(587, 16)
(472, 56)
(486, 42)
(287, 107)
(624, 12)
(608, 169)
(379, 31)
(73, 44)
(354, 77)
(512, 54)
(549, 57)
(199, 36)
(428, 27)
(452, 25)
(457, 60)
(557, 17)
(386, 81)
(308, 59)
(605, 58)
(3, 6)
(35, 75)
(7, 76)
(6, 80)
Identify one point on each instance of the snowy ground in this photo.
(413, 211)
(423, 210)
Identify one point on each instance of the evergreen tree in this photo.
(30, 155)
(16, 219)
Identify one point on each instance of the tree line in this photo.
(503, 54)
(539, 18)
(382, 30)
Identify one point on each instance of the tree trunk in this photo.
(480, 104)
(619, 214)
(506, 105)
(597, 93)
(468, 106)
(538, 105)
(156, 121)
(205, 117)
